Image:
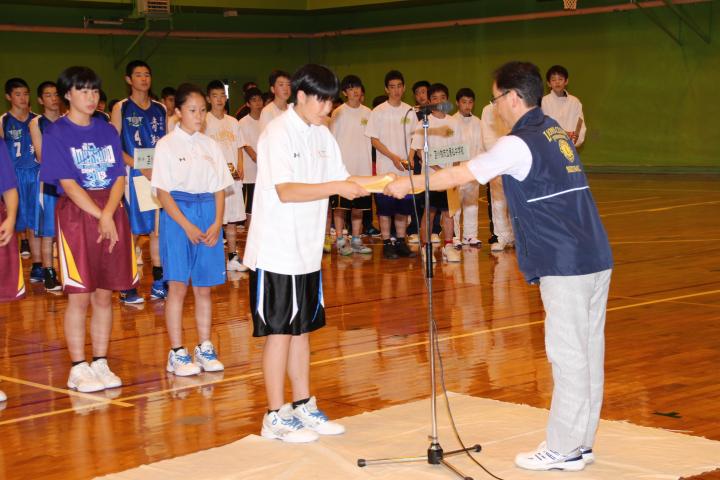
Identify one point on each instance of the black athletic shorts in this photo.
(273, 310)
(360, 203)
(248, 192)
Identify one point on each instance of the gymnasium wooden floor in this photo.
(663, 344)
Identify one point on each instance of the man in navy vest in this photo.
(561, 244)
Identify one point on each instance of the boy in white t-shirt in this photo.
(444, 131)
(347, 124)
(389, 128)
(564, 108)
(279, 81)
(250, 130)
(299, 167)
(224, 129)
(470, 192)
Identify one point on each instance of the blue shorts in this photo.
(27, 186)
(141, 223)
(183, 261)
(45, 211)
(390, 206)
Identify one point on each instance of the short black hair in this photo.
(350, 81)
(267, 97)
(465, 92)
(41, 88)
(248, 85)
(275, 74)
(394, 75)
(315, 80)
(184, 91)
(378, 100)
(111, 104)
(421, 83)
(524, 78)
(130, 67)
(167, 92)
(103, 96)
(14, 83)
(438, 87)
(252, 92)
(215, 85)
(557, 70)
(77, 77)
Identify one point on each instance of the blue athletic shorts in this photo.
(141, 223)
(389, 206)
(183, 261)
(27, 186)
(45, 211)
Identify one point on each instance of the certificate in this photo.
(143, 158)
(146, 200)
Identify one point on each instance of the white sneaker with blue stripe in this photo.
(206, 357)
(587, 454)
(181, 364)
(315, 419)
(545, 459)
(283, 425)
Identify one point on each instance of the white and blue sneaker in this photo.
(131, 297)
(545, 459)
(587, 454)
(158, 291)
(206, 357)
(314, 419)
(283, 425)
(181, 364)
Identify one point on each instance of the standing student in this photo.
(141, 123)
(190, 176)
(469, 193)
(443, 131)
(299, 167)
(389, 128)
(225, 130)
(15, 129)
(44, 226)
(348, 126)
(566, 109)
(250, 132)
(279, 81)
(562, 245)
(83, 158)
(167, 98)
(244, 108)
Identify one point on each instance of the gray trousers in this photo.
(575, 309)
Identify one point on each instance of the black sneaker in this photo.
(373, 232)
(51, 281)
(403, 250)
(24, 248)
(493, 239)
(389, 251)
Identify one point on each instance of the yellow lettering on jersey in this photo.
(573, 169)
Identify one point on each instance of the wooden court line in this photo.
(71, 393)
(661, 209)
(333, 359)
(51, 413)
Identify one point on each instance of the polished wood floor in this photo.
(663, 344)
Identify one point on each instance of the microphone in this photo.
(444, 107)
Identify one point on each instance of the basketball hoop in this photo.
(569, 4)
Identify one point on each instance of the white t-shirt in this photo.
(287, 238)
(189, 163)
(393, 128)
(472, 133)
(442, 132)
(348, 126)
(250, 130)
(226, 133)
(492, 127)
(269, 113)
(509, 156)
(566, 111)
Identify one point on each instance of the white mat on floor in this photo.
(623, 451)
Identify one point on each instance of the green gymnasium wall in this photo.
(650, 104)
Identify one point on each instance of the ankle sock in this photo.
(272, 411)
(95, 359)
(300, 402)
(177, 349)
(37, 265)
(78, 363)
(157, 273)
(387, 242)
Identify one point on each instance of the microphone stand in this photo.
(435, 454)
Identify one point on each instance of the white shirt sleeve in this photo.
(509, 156)
(160, 172)
(373, 127)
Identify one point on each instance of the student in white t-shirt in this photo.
(390, 127)
(564, 108)
(190, 176)
(470, 192)
(225, 130)
(444, 131)
(348, 126)
(299, 167)
(279, 81)
(250, 130)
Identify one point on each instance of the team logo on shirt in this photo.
(93, 162)
(134, 121)
(15, 134)
(405, 121)
(296, 155)
(363, 121)
(566, 150)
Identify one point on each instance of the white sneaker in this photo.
(545, 459)
(181, 364)
(104, 374)
(498, 246)
(234, 265)
(283, 425)
(414, 238)
(83, 379)
(435, 238)
(450, 254)
(316, 420)
(457, 243)
(138, 256)
(3, 397)
(472, 241)
(343, 247)
(206, 357)
(587, 455)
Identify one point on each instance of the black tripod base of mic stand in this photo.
(435, 456)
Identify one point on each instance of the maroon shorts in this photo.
(85, 264)
(12, 283)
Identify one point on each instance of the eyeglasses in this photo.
(495, 99)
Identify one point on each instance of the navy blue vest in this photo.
(557, 228)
